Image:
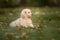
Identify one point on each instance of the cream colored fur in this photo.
(24, 20)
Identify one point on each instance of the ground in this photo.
(47, 18)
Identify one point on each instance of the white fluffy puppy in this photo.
(24, 20)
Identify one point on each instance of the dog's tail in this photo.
(13, 24)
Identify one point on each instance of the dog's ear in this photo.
(22, 15)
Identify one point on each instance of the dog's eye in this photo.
(28, 12)
(25, 12)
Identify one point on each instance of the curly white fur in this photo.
(24, 20)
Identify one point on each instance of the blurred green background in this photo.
(46, 16)
(35, 3)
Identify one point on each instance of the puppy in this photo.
(24, 20)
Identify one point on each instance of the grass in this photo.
(47, 18)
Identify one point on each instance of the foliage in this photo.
(16, 3)
(10, 3)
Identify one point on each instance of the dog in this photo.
(24, 20)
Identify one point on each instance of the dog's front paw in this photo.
(32, 27)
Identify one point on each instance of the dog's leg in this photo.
(31, 26)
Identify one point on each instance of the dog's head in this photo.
(26, 13)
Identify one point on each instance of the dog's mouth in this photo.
(29, 16)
